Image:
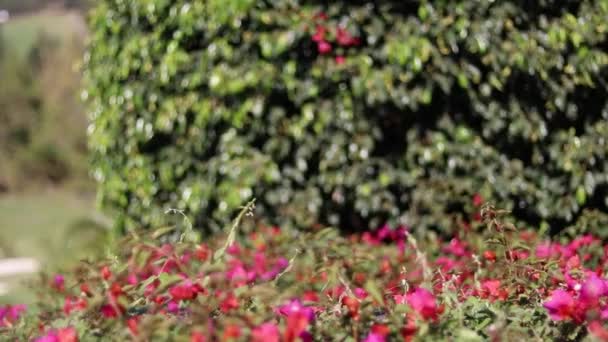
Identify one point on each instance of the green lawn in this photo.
(21, 32)
(56, 227)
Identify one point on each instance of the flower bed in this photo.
(492, 281)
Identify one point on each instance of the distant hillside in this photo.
(23, 6)
(42, 135)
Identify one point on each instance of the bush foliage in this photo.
(351, 113)
(489, 283)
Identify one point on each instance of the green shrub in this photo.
(409, 109)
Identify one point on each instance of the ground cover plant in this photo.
(492, 281)
(349, 114)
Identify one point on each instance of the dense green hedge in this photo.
(349, 113)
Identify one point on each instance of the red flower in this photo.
(353, 306)
(132, 324)
(74, 304)
(491, 289)
(231, 332)
(319, 35)
(380, 329)
(297, 323)
(84, 289)
(108, 311)
(320, 16)
(477, 200)
(67, 335)
(185, 291)
(106, 273)
(340, 60)
(116, 290)
(310, 296)
(344, 38)
(229, 303)
(409, 329)
(489, 256)
(202, 252)
(197, 337)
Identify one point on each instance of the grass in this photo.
(55, 227)
(22, 32)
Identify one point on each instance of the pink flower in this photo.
(423, 302)
(295, 306)
(340, 60)
(373, 337)
(400, 299)
(172, 307)
(60, 335)
(456, 247)
(132, 279)
(597, 329)
(267, 332)
(491, 289)
(561, 306)
(323, 47)
(360, 293)
(593, 288)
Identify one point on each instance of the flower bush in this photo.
(349, 113)
(491, 281)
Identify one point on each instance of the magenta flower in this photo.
(360, 293)
(456, 247)
(373, 337)
(10, 313)
(59, 282)
(60, 335)
(323, 47)
(295, 306)
(593, 288)
(561, 305)
(423, 302)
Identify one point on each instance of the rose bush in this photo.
(492, 281)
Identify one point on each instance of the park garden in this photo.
(333, 171)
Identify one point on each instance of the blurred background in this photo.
(45, 192)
